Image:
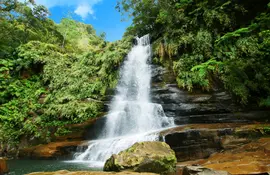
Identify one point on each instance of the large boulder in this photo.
(3, 166)
(156, 157)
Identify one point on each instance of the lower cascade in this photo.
(132, 117)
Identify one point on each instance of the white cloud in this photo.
(83, 8)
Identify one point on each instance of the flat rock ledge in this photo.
(51, 150)
(88, 173)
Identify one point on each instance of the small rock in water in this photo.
(199, 170)
(3, 166)
(156, 157)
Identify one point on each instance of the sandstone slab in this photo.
(52, 150)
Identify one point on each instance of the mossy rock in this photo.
(156, 157)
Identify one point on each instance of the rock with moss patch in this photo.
(156, 157)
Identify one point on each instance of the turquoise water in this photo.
(21, 167)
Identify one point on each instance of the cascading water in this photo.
(132, 117)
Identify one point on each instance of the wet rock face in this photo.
(197, 106)
(193, 144)
(197, 141)
(156, 157)
(93, 131)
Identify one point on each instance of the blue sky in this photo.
(99, 13)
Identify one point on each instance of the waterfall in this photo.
(132, 117)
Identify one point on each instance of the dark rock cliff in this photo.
(186, 107)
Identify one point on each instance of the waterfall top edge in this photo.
(143, 41)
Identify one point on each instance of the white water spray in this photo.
(132, 117)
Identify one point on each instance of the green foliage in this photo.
(230, 35)
(61, 131)
(267, 130)
(265, 102)
(205, 71)
(79, 37)
(18, 108)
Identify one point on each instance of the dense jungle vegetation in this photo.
(209, 42)
(52, 75)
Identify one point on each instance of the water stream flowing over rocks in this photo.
(132, 117)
